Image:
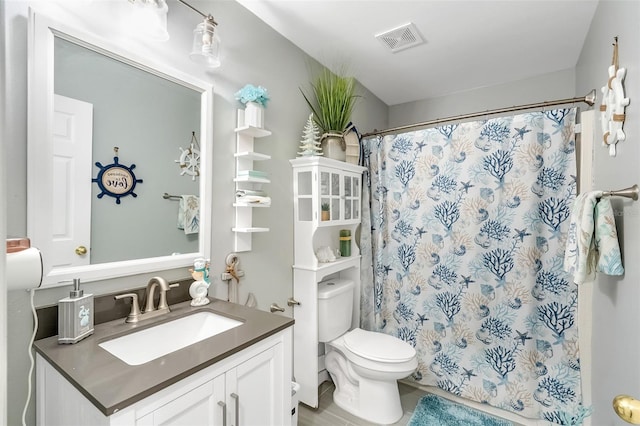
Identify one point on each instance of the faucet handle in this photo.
(163, 296)
(134, 315)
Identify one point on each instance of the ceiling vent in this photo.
(400, 38)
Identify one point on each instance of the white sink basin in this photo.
(146, 345)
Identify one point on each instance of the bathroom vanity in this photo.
(241, 376)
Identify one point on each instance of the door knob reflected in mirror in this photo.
(275, 308)
(80, 250)
(627, 408)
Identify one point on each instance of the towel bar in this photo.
(631, 192)
(167, 196)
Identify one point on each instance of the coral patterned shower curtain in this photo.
(468, 227)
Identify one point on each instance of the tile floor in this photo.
(329, 414)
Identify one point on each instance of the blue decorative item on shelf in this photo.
(251, 93)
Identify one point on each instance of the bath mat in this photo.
(435, 411)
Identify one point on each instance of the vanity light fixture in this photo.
(149, 19)
(206, 43)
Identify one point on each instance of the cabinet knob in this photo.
(80, 250)
(291, 302)
(275, 308)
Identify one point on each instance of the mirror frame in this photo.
(42, 31)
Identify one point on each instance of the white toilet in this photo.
(365, 366)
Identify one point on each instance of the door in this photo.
(254, 391)
(201, 406)
(71, 216)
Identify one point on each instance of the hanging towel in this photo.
(189, 214)
(592, 241)
(606, 236)
(579, 255)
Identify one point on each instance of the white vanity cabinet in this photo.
(251, 387)
(338, 185)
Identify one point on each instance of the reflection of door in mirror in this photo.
(72, 134)
(148, 119)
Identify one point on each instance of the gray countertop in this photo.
(111, 384)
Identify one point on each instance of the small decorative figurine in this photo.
(199, 289)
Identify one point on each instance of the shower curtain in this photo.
(464, 259)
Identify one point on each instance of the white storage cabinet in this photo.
(317, 181)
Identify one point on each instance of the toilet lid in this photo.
(378, 346)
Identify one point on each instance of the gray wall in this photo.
(615, 312)
(547, 87)
(252, 53)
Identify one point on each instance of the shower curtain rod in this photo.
(589, 99)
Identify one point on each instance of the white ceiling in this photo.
(468, 43)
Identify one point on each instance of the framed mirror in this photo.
(107, 191)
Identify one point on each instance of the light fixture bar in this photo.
(206, 16)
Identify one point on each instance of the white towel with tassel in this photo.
(592, 240)
(189, 214)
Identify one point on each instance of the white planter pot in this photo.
(333, 146)
(254, 115)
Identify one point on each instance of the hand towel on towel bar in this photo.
(189, 214)
(585, 252)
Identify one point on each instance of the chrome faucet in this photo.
(150, 311)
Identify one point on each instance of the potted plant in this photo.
(332, 104)
(325, 213)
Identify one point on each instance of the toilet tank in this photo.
(335, 306)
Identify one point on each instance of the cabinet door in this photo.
(203, 405)
(330, 194)
(254, 391)
(351, 190)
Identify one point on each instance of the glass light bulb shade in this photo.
(149, 19)
(206, 45)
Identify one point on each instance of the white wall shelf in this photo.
(255, 156)
(245, 157)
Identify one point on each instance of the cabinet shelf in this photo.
(252, 205)
(254, 156)
(250, 179)
(250, 230)
(252, 131)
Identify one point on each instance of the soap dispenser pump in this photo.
(75, 315)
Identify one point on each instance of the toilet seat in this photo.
(378, 346)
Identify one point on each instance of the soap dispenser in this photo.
(75, 315)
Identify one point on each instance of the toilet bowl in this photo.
(365, 366)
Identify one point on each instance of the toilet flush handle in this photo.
(275, 308)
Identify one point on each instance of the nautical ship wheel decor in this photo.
(190, 159)
(116, 180)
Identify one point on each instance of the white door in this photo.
(71, 215)
(201, 406)
(254, 391)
